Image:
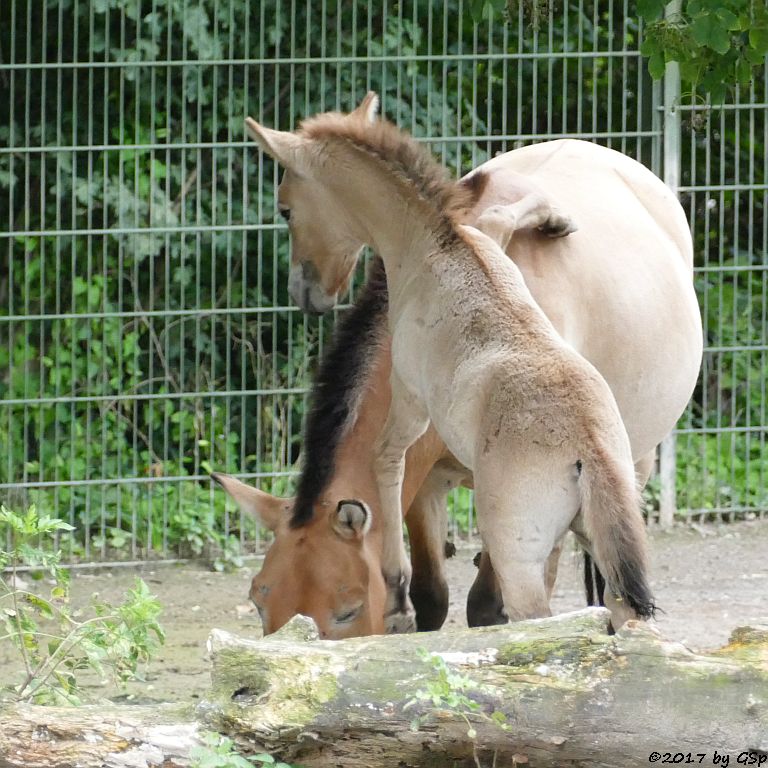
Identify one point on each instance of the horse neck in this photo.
(354, 476)
(398, 224)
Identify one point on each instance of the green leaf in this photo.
(728, 19)
(758, 40)
(656, 66)
(755, 58)
(706, 30)
(743, 72)
(42, 606)
(690, 71)
(650, 10)
(476, 10)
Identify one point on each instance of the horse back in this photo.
(584, 178)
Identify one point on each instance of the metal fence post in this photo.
(671, 160)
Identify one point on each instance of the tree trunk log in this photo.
(553, 692)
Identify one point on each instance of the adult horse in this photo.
(619, 290)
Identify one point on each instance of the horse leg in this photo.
(485, 605)
(523, 512)
(406, 422)
(552, 562)
(427, 522)
(533, 211)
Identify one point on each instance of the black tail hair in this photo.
(594, 583)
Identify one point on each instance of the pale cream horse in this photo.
(473, 351)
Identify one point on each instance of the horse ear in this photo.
(283, 146)
(352, 519)
(271, 510)
(368, 107)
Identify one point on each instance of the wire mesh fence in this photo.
(146, 335)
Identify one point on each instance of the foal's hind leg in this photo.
(406, 422)
(523, 510)
(532, 211)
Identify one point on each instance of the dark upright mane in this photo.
(339, 383)
(402, 156)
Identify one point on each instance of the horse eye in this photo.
(285, 213)
(347, 616)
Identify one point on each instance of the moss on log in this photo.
(553, 692)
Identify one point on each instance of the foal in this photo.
(473, 352)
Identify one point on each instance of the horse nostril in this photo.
(308, 270)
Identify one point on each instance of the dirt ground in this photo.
(708, 580)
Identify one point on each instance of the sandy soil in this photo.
(708, 580)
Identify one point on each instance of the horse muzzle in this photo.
(305, 289)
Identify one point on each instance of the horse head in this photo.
(324, 245)
(334, 548)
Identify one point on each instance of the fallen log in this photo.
(553, 692)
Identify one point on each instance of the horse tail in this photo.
(610, 504)
(594, 583)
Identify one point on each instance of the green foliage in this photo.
(220, 752)
(106, 341)
(716, 469)
(168, 155)
(481, 9)
(54, 642)
(718, 43)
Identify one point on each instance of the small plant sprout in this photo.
(220, 751)
(53, 641)
(449, 690)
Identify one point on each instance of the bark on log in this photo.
(570, 695)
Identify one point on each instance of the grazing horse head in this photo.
(324, 248)
(334, 548)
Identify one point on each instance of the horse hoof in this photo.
(400, 623)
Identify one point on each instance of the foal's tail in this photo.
(610, 504)
(594, 583)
